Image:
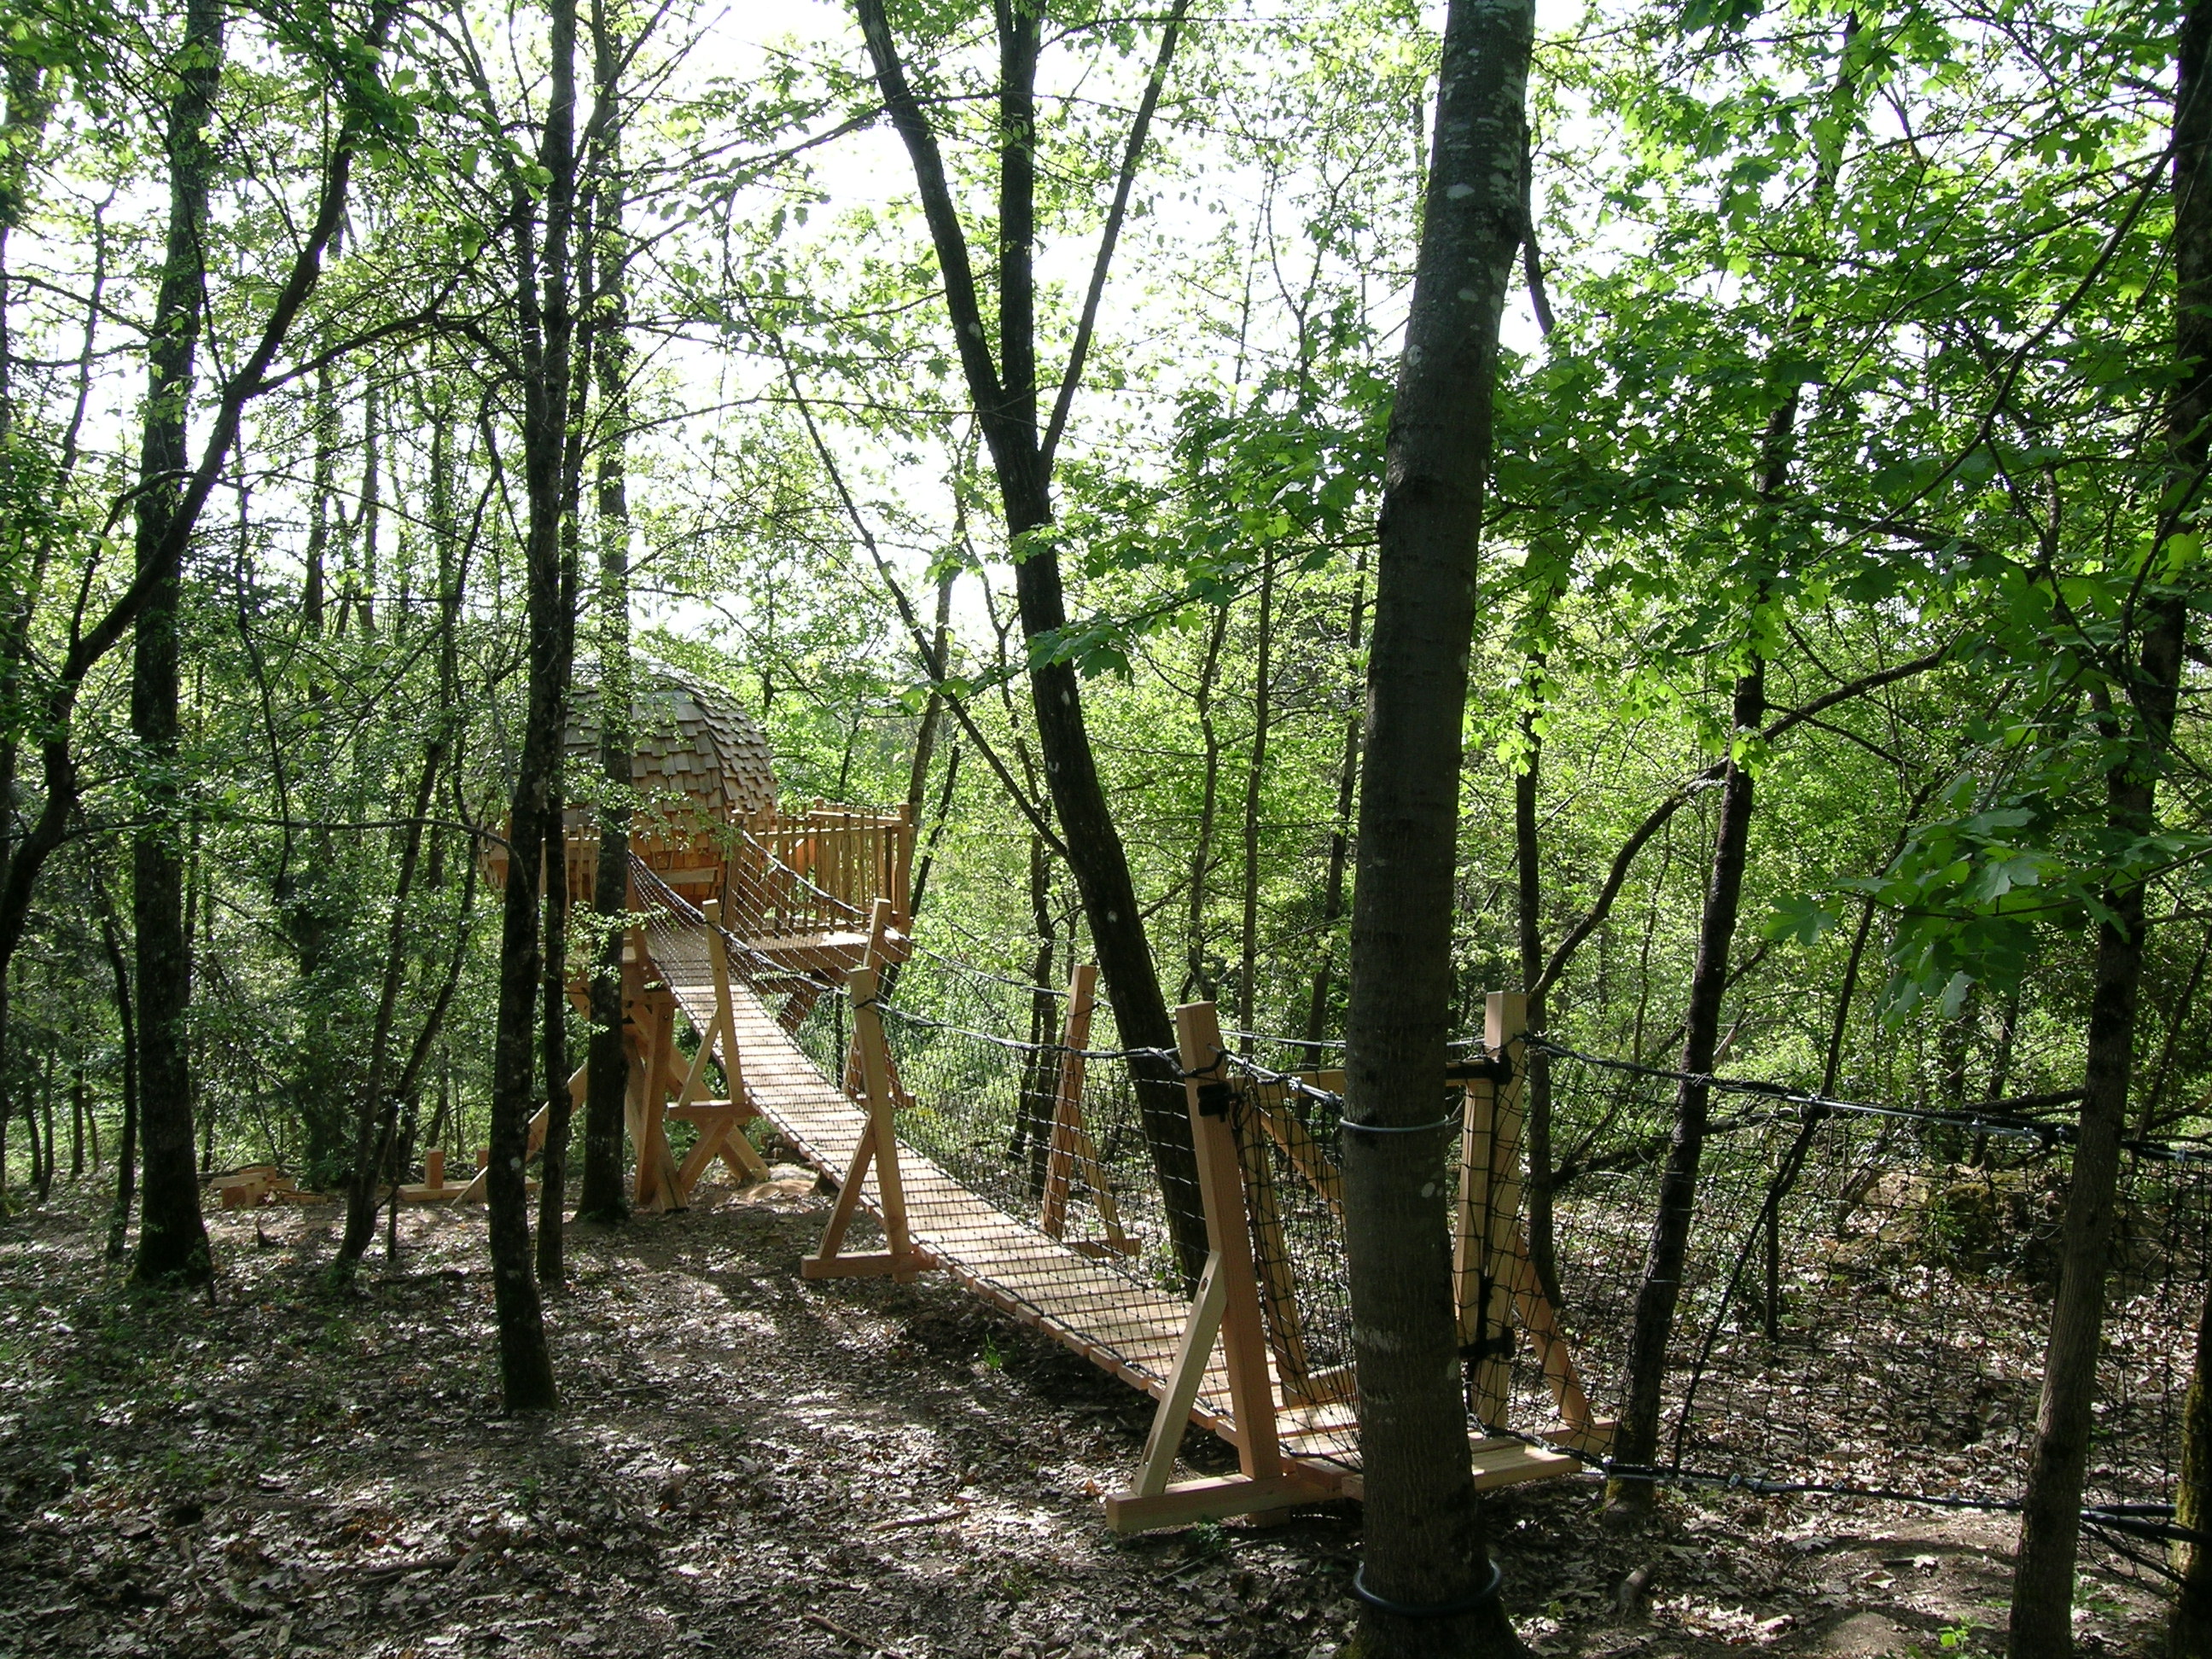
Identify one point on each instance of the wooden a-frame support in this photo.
(878, 1146)
(1246, 1306)
(1492, 1276)
(1072, 1152)
(1227, 1308)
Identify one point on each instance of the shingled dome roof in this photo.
(695, 747)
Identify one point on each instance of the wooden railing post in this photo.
(1067, 1098)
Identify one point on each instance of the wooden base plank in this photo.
(1188, 1502)
(904, 1268)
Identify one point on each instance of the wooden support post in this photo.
(871, 957)
(878, 1146)
(717, 1129)
(1072, 1152)
(1505, 1025)
(1272, 1259)
(1192, 1352)
(903, 864)
(1267, 1480)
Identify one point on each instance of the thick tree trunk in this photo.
(601, 1195)
(1424, 1529)
(172, 1237)
(525, 1362)
(1636, 1441)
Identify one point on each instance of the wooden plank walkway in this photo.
(1109, 1316)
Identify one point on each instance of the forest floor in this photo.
(748, 1463)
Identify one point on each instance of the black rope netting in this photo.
(1863, 1308)
(1867, 1289)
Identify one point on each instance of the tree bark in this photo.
(2141, 718)
(126, 1157)
(1424, 1528)
(1004, 393)
(372, 1153)
(1248, 1001)
(1529, 916)
(1636, 1441)
(1339, 840)
(172, 1237)
(1198, 977)
(599, 1195)
(547, 326)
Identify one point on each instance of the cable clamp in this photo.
(1433, 1610)
(1400, 1128)
(1480, 1068)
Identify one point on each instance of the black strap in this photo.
(1436, 1610)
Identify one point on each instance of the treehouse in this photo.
(799, 889)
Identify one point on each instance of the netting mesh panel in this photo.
(1287, 1142)
(1867, 1293)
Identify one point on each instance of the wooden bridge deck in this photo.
(1108, 1316)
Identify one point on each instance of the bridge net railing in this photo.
(1867, 1289)
(1863, 1308)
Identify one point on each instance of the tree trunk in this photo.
(1636, 1441)
(1339, 840)
(553, 1031)
(371, 1150)
(601, 1195)
(172, 1237)
(1425, 1542)
(2043, 1579)
(1248, 1005)
(1198, 978)
(126, 1157)
(1004, 396)
(525, 1362)
(2189, 1633)
(1536, 1095)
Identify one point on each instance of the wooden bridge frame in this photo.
(1241, 1325)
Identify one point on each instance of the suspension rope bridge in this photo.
(1238, 1356)
(1859, 1311)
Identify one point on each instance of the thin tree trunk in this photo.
(525, 1362)
(2189, 1632)
(600, 1196)
(932, 711)
(80, 1109)
(1528, 866)
(1339, 840)
(1424, 1545)
(371, 1150)
(1198, 979)
(1255, 778)
(172, 1237)
(1636, 1441)
(2142, 718)
(126, 1157)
